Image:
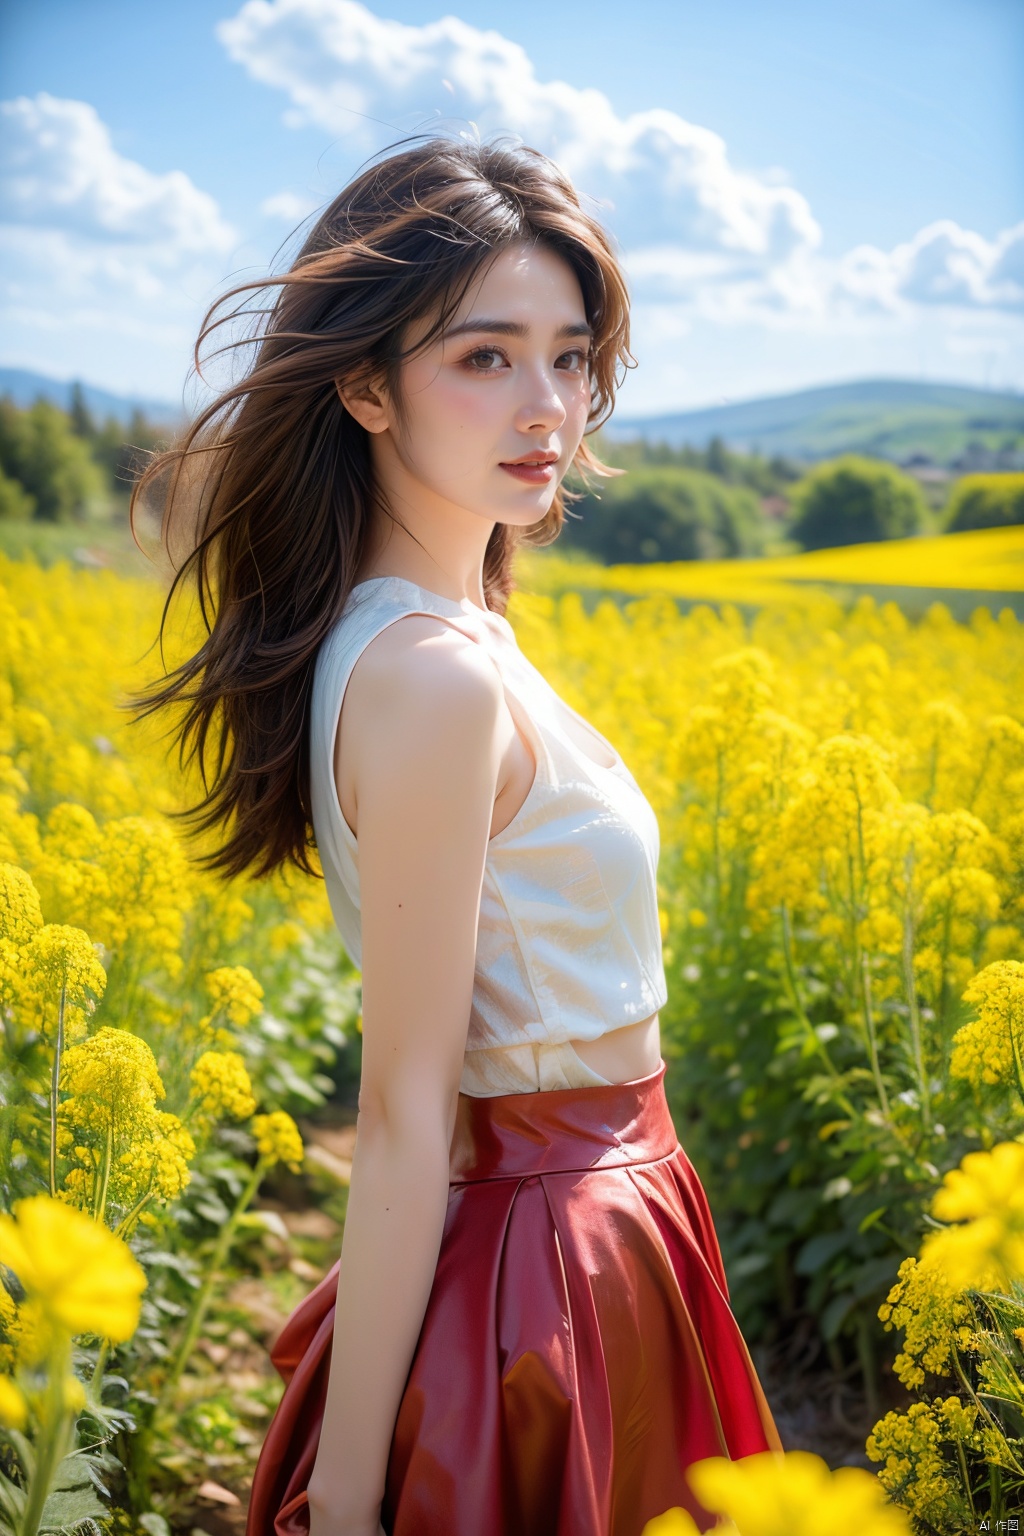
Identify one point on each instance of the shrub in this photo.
(985, 501)
(662, 512)
(852, 500)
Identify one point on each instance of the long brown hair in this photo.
(270, 488)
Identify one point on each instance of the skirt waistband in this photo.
(562, 1130)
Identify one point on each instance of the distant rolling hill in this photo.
(886, 418)
(24, 386)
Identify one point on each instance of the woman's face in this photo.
(495, 410)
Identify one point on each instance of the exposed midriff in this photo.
(624, 1054)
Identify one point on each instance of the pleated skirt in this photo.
(578, 1350)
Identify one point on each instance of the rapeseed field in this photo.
(840, 792)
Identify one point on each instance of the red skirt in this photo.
(578, 1350)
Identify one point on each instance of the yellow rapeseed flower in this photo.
(234, 991)
(220, 1087)
(676, 1522)
(113, 1079)
(795, 1494)
(20, 912)
(10, 1329)
(13, 1408)
(155, 1162)
(915, 1468)
(986, 1195)
(20, 917)
(79, 1276)
(113, 1085)
(991, 1047)
(934, 1316)
(149, 890)
(278, 1139)
(59, 957)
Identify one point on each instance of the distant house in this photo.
(925, 469)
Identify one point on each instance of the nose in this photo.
(542, 408)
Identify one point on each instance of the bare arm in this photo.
(423, 707)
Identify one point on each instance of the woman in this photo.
(528, 1330)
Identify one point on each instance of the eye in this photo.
(485, 360)
(577, 358)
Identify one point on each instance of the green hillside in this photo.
(884, 418)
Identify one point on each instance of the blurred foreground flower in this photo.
(792, 1493)
(78, 1277)
(986, 1195)
(13, 1408)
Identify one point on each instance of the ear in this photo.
(367, 403)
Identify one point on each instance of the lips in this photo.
(535, 468)
(538, 457)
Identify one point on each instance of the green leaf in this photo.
(819, 1251)
(72, 1500)
(213, 1209)
(12, 1498)
(154, 1523)
(872, 1216)
(874, 1275)
(269, 1221)
(749, 1264)
(835, 1314)
(68, 1507)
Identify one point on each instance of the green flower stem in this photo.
(1018, 1062)
(52, 1441)
(872, 1039)
(910, 988)
(55, 1089)
(100, 1204)
(101, 1360)
(716, 834)
(965, 1478)
(982, 771)
(868, 1364)
(123, 1226)
(800, 1011)
(197, 1312)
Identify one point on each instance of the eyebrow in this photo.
(513, 328)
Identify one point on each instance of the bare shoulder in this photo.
(420, 651)
(423, 701)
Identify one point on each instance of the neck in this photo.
(426, 540)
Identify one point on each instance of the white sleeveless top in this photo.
(569, 943)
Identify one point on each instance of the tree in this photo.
(853, 500)
(82, 423)
(121, 453)
(985, 501)
(15, 502)
(54, 467)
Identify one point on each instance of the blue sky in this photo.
(813, 192)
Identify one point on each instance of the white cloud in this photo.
(60, 170)
(108, 265)
(289, 206)
(100, 254)
(942, 264)
(729, 244)
(663, 177)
